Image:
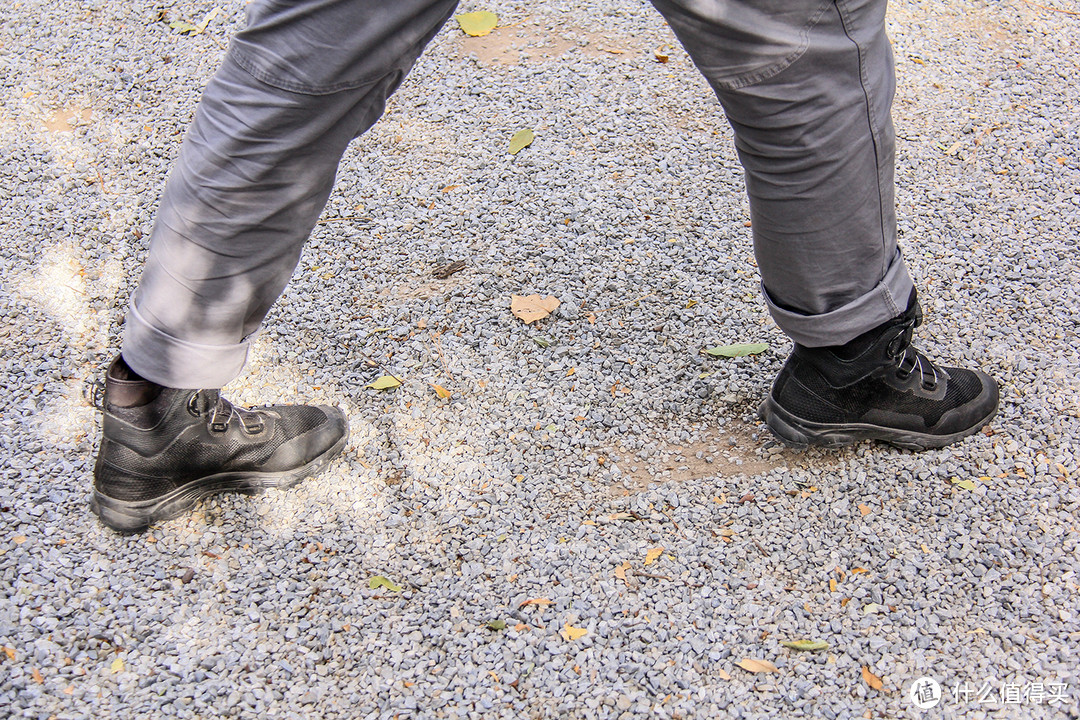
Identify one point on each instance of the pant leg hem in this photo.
(836, 327)
(172, 362)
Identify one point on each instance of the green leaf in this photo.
(737, 350)
(383, 582)
(478, 24)
(965, 484)
(521, 139)
(542, 342)
(497, 625)
(806, 645)
(384, 383)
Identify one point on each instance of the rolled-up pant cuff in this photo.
(169, 361)
(885, 301)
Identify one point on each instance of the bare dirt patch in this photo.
(66, 119)
(530, 41)
(734, 451)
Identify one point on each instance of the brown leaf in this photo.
(536, 601)
(864, 510)
(662, 53)
(10, 652)
(441, 391)
(757, 666)
(871, 679)
(570, 633)
(723, 674)
(653, 554)
(531, 308)
(521, 626)
(620, 571)
(36, 674)
(19, 539)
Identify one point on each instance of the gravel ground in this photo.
(569, 448)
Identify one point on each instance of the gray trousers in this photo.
(807, 86)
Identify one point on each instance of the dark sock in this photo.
(127, 388)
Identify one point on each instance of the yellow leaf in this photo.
(441, 391)
(653, 555)
(864, 510)
(37, 676)
(10, 652)
(871, 679)
(493, 675)
(478, 24)
(384, 383)
(856, 571)
(117, 665)
(570, 372)
(521, 140)
(571, 633)
(379, 581)
(832, 585)
(620, 571)
(757, 666)
(533, 307)
(662, 53)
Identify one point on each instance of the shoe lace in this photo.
(909, 359)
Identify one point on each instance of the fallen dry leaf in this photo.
(620, 571)
(653, 555)
(871, 679)
(536, 601)
(531, 308)
(441, 391)
(571, 633)
(10, 652)
(36, 674)
(757, 666)
(832, 585)
(117, 665)
(723, 674)
(865, 510)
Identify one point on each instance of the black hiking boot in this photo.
(165, 449)
(877, 387)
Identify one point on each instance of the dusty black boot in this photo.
(165, 449)
(877, 387)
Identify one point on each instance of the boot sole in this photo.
(797, 433)
(127, 516)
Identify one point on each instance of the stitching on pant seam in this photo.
(843, 12)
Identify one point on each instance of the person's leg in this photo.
(254, 172)
(807, 86)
